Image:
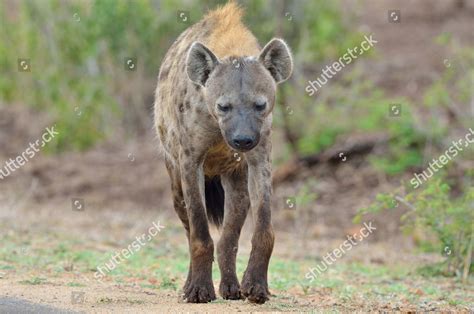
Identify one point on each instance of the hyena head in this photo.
(240, 92)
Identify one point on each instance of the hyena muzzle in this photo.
(213, 114)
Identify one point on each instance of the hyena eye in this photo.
(224, 107)
(260, 106)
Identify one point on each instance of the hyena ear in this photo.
(200, 63)
(276, 57)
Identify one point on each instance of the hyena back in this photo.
(213, 113)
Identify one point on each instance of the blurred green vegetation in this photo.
(77, 52)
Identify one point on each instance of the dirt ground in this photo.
(108, 228)
(125, 186)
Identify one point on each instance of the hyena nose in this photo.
(243, 142)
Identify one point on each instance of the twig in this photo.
(404, 202)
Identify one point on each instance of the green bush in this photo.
(445, 219)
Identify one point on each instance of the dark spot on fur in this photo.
(162, 131)
(266, 172)
(188, 106)
(206, 33)
(164, 72)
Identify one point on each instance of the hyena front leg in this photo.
(254, 282)
(179, 205)
(200, 288)
(237, 203)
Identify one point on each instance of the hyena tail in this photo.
(214, 200)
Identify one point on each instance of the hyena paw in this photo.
(187, 283)
(256, 291)
(230, 290)
(199, 293)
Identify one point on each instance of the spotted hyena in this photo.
(213, 114)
